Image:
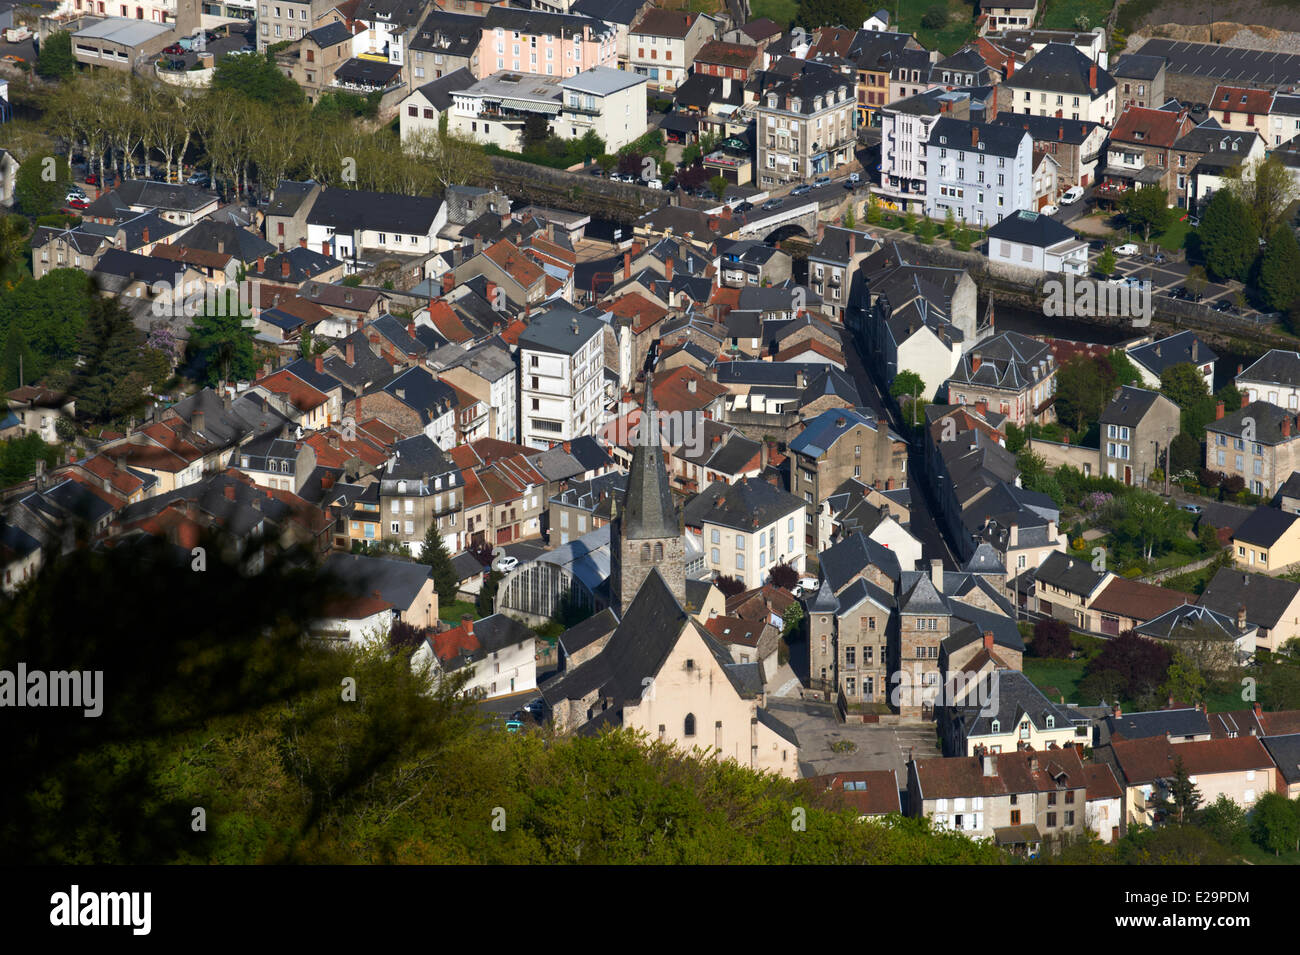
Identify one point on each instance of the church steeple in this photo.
(644, 533)
(648, 511)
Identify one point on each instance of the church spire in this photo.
(648, 511)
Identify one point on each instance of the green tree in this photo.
(258, 78)
(1144, 521)
(1279, 269)
(18, 458)
(221, 347)
(1084, 387)
(116, 369)
(829, 13)
(1125, 371)
(909, 390)
(719, 185)
(935, 17)
(792, 618)
(17, 360)
(1184, 681)
(1147, 209)
(55, 60)
(1267, 189)
(1229, 236)
(41, 185)
(1106, 262)
(1184, 385)
(485, 603)
(1226, 822)
(1184, 453)
(1181, 796)
(1276, 823)
(445, 579)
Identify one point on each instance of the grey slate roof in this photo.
(1285, 753)
(749, 504)
(1177, 349)
(1031, 228)
(841, 562)
(1073, 574)
(997, 139)
(398, 581)
(1265, 598)
(648, 509)
(1061, 68)
(1176, 723)
(1265, 526)
(1130, 406)
(1277, 367)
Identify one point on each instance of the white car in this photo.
(506, 564)
(1128, 248)
(1071, 195)
(654, 184)
(1049, 210)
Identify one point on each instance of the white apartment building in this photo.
(344, 222)
(983, 172)
(561, 377)
(905, 131)
(747, 527)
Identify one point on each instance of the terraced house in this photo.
(805, 125)
(1012, 374)
(662, 45)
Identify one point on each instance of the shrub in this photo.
(935, 18)
(1051, 640)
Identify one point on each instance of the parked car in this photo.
(772, 204)
(853, 180)
(653, 184)
(1192, 508)
(1128, 248)
(506, 563)
(92, 180)
(1224, 306)
(1072, 195)
(1049, 210)
(536, 707)
(513, 726)
(200, 179)
(78, 204)
(174, 50)
(801, 190)
(821, 181)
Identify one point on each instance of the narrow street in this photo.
(923, 527)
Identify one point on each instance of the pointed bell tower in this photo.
(645, 533)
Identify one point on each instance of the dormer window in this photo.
(1051, 722)
(401, 487)
(996, 726)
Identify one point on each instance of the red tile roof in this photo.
(447, 323)
(672, 390)
(1148, 127)
(1146, 760)
(877, 796)
(452, 643)
(514, 263)
(1019, 772)
(1139, 601)
(298, 393)
(1239, 99)
(643, 313)
(735, 630)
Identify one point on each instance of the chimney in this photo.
(668, 268)
(762, 455)
(982, 408)
(936, 574)
(324, 250)
(261, 263)
(350, 353)
(627, 265)
(975, 362)
(1245, 398)
(1092, 77)
(1194, 344)
(448, 281)
(1259, 711)
(492, 293)
(284, 268)
(467, 622)
(974, 135)
(1060, 132)
(1117, 712)
(144, 235)
(410, 328)
(1011, 65)
(988, 639)
(230, 492)
(1286, 426)
(320, 365)
(1241, 617)
(1218, 411)
(990, 765)
(691, 385)
(800, 380)
(302, 242)
(197, 420)
(853, 244)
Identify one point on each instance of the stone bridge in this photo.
(780, 223)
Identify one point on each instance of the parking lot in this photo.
(875, 745)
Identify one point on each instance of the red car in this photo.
(78, 204)
(92, 179)
(174, 49)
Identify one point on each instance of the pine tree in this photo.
(434, 553)
(1183, 796)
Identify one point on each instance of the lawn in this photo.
(959, 30)
(453, 611)
(1061, 14)
(1175, 236)
(780, 11)
(1061, 675)
(1257, 855)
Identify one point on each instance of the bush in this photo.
(935, 18)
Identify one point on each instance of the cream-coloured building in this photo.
(1239, 768)
(805, 126)
(746, 528)
(663, 43)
